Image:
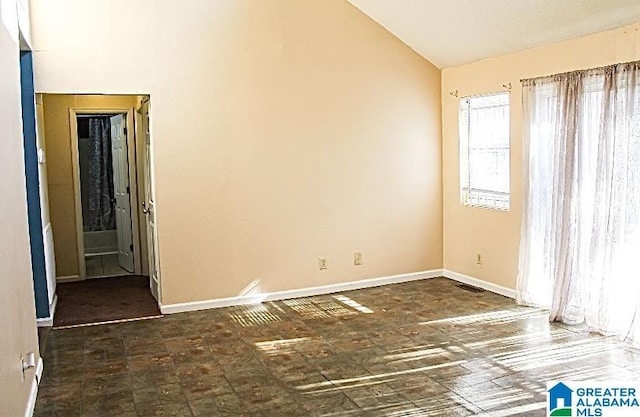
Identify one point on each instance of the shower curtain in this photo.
(101, 215)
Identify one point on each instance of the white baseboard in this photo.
(44, 322)
(466, 279)
(68, 278)
(48, 321)
(31, 403)
(328, 289)
(303, 292)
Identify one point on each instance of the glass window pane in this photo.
(484, 151)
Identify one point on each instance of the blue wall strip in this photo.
(33, 190)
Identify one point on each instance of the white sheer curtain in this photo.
(580, 237)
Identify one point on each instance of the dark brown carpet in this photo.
(104, 299)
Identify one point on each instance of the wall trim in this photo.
(31, 403)
(333, 288)
(48, 321)
(44, 322)
(466, 279)
(302, 292)
(68, 278)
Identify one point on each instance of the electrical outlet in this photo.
(322, 263)
(478, 258)
(357, 258)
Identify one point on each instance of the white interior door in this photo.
(121, 192)
(149, 205)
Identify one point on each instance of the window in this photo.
(484, 151)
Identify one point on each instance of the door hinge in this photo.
(128, 189)
(125, 131)
(131, 247)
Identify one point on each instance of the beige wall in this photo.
(492, 233)
(283, 130)
(59, 169)
(17, 307)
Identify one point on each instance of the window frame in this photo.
(501, 199)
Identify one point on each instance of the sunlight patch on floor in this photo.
(415, 355)
(563, 353)
(319, 308)
(387, 377)
(278, 347)
(353, 304)
(494, 317)
(518, 339)
(253, 315)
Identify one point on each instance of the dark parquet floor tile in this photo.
(423, 348)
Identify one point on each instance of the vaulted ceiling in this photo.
(454, 32)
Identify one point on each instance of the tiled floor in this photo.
(425, 348)
(104, 266)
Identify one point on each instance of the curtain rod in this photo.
(507, 87)
(585, 70)
(83, 116)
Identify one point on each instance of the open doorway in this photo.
(105, 194)
(102, 207)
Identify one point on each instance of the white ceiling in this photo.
(454, 32)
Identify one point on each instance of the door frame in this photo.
(133, 181)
